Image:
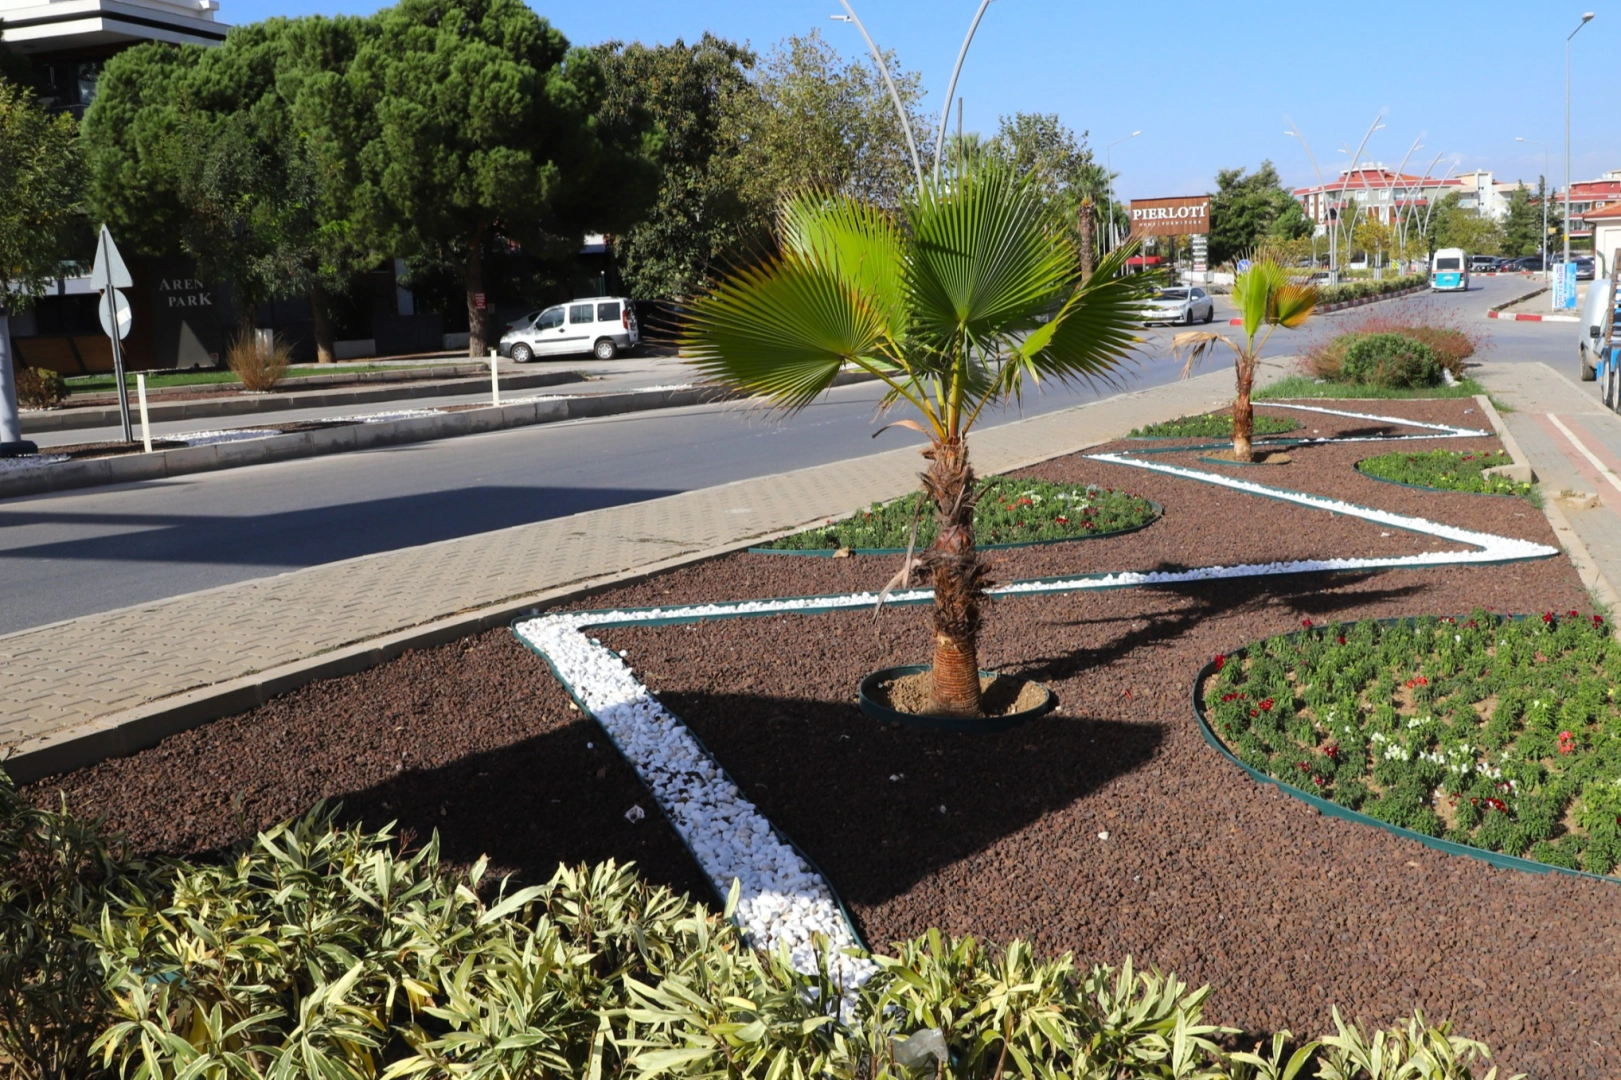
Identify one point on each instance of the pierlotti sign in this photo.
(1182, 216)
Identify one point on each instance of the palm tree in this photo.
(971, 290)
(1266, 296)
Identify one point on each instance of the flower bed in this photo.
(1010, 511)
(1448, 470)
(1497, 733)
(1210, 426)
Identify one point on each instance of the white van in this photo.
(604, 325)
(1595, 327)
(1449, 270)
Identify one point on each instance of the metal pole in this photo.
(110, 298)
(1587, 18)
(951, 90)
(883, 69)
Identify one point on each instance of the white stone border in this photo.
(783, 901)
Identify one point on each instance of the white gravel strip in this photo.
(1449, 428)
(224, 435)
(31, 461)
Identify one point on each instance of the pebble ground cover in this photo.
(1010, 511)
(1108, 828)
(1451, 470)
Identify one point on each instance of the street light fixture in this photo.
(945, 111)
(1586, 18)
(1108, 172)
(1539, 142)
(900, 110)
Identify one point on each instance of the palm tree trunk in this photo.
(1088, 225)
(475, 293)
(958, 577)
(1244, 413)
(321, 320)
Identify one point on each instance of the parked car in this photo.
(1482, 264)
(1526, 264)
(1180, 305)
(603, 325)
(1594, 327)
(1584, 268)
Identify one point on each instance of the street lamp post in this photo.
(945, 112)
(1322, 190)
(850, 16)
(1539, 142)
(1587, 18)
(1108, 171)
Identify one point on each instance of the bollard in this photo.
(495, 378)
(140, 394)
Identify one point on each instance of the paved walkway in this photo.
(1555, 420)
(120, 679)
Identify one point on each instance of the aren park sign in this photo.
(1185, 216)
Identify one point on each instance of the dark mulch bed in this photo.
(1284, 912)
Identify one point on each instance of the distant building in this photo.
(1587, 196)
(1383, 195)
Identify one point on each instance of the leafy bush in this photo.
(318, 950)
(1452, 340)
(1449, 470)
(40, 388)
(260, 367)
(1362, 290)
(1393, 360)
(1500, 733)
(1009, 511)
(1210, 426)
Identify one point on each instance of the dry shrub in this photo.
(260, 367)
(1451, 340)
(40, 388)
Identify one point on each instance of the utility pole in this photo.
(1587, 18)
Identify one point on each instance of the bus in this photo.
(1449, 270)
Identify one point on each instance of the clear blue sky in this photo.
(1209, 84)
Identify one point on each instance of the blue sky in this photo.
(1208, 84)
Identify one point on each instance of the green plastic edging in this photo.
(1426, 487)
(1334, 809)
(828, 553)
(727, 777)
(981, 725)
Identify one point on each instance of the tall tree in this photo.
(39, 201)
(1452, 225)
(482, 126)
(1522, 228)
(1244, 208)
(701, 217)
(817, 121)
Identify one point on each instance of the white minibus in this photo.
(1449, 270)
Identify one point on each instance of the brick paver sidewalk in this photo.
(99, 679)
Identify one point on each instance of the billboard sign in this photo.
(1564, 286)
(1185, 216)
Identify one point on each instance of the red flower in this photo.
(1305, 766)
(1254, 713)
(1498, 805)
(1266, 706)
(1062, 521)
(1221, 661)
(1567, 742)
(1306, 623)
(1573, 613)
(1547, 616)
(1341, 639)
(1333, 751)
(1318, 780)
(1598, 620)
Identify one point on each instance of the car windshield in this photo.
(1172, 294)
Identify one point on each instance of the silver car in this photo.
(1180, 304)
(602, 325)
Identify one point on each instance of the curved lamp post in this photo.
(850, 16)
(951, 90)
(1108, 172)
(1587, 18)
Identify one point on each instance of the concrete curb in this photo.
(475, 381)
(1524, 317)
(163, 464)
(1581, 558)
(136, 728)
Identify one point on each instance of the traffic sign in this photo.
(114, 308)
(1242, 266)
(109, 271)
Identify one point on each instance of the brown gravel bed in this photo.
(1203, 872)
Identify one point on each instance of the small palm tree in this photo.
(954, 302)
(1266, 296)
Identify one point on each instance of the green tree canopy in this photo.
(817, 121)
(481, 124)
(1452, 225)
(40, 183)
(1246, 207)
(701, 217)
(1522, 229)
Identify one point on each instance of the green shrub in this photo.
(1449, 470)
(320, 950)
(1392, 360)
(1211, 426)
(40, 388)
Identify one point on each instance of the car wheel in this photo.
(1589, 374)
(606, 349)
(522, 354)
(1210, 314)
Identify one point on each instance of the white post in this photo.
(495, 378)
(140, 394)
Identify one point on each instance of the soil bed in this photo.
(999, 694)
(1203, 872)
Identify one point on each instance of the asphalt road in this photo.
(75, 553)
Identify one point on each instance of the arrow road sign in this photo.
(1242, 266)
(114, 308)
(109, 271)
